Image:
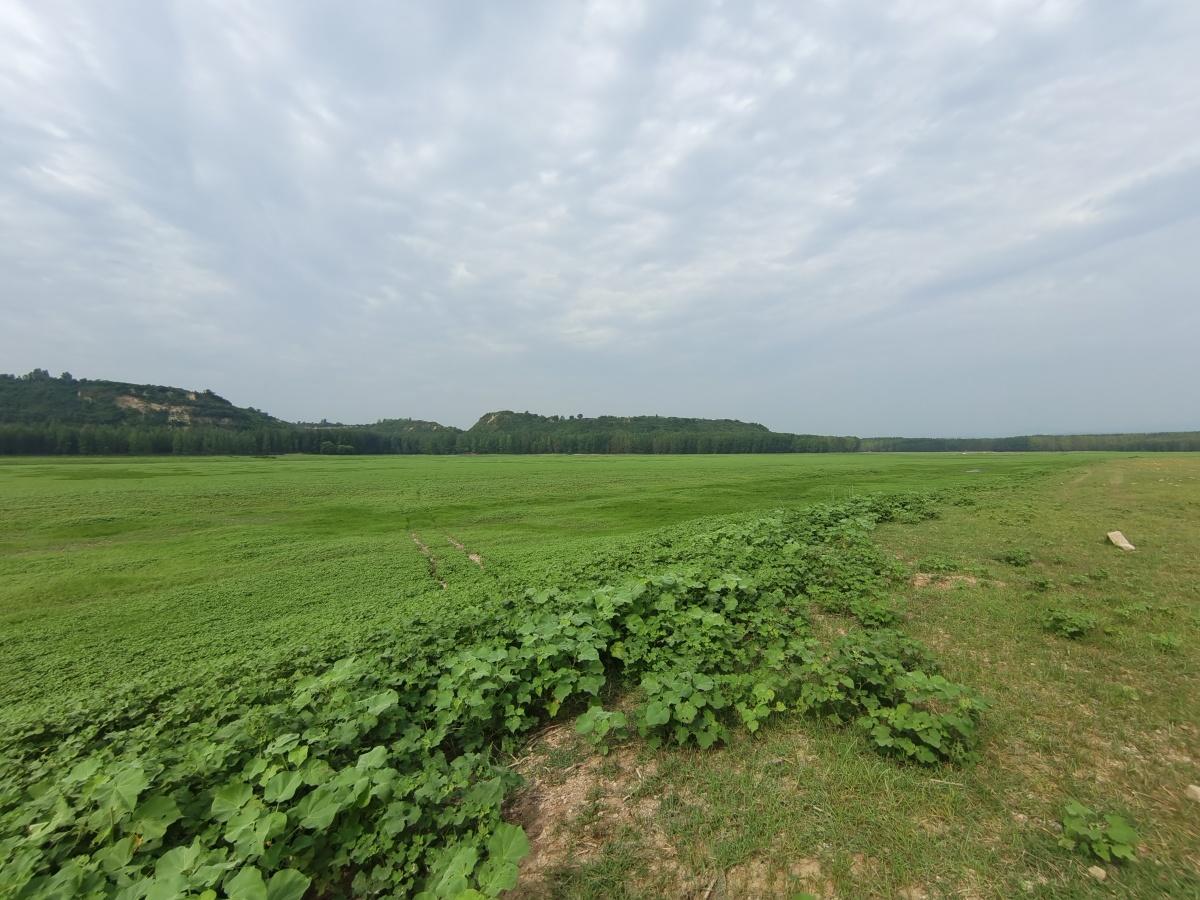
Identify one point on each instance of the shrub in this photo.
(1018, 557)
(1068, 624)
(879, 679)
(935, 720)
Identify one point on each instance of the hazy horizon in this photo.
(936, 219)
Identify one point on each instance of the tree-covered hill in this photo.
(505, 431)
(41, 414)
(40, 399)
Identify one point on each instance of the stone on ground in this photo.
(1120, 540)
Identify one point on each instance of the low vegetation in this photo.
(1106, 837)
(353, 711)
(1065, 623)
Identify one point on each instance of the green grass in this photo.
(121, 571)
(118, 569)
(1112, 720)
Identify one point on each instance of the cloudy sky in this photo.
(950, 217)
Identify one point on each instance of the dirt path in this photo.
(425, 551)
(473, 557)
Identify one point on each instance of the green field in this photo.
(116, 569)
(135, 590)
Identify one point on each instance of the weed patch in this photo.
(380, 773)
(1106, 836)
(1067, 624)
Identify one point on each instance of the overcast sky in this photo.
(931, 217)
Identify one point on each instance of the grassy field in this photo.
(117, 569)
(124, 573)
(1112, 720)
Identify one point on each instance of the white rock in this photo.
(1120, 540)
(1098, 873)
(1193, 791)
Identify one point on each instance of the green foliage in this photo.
(1167, 641)
(1053, 443)
(40, 414)
(1105, 837)
(379, 773)
(506, 431)
(600, 726)
(1018, 556)
(1068, 624)
(935, 720)
(938, 565)
(879, 680)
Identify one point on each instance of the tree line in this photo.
(1166, 441)
(117, 440)
(44, 415)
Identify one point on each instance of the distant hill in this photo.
(41, 414)
(40, 399)
(506, 431)
(507, 420)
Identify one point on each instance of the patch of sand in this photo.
(944, 582)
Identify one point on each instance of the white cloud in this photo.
(677, 206)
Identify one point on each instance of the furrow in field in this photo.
(428, 554)
(471, 555)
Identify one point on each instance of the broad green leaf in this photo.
(657, 713)
(122, 788)
(154, 816)
(508, 843)
(282, 787)
(453, 880)
(287, 884)
(485, 794)
(382, 702)
(167, 887)
(84, 770)
(282, 744)
(177, 861)
(229, 799)
(115, 856)
(318, 809)
(247, 884)
(496, 876)
(1120, 831)
(373, 758)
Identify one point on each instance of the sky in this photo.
(921, 217)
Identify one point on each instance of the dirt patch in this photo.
(178, 414)
(772, 877)
(944, 582)
(425, 551)
(569, 812)
(473, 557)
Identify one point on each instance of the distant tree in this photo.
(328, 447)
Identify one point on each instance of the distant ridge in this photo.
(41, 414)
(505, 431)
(39, 399)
